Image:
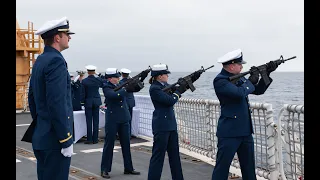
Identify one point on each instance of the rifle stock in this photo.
(136, 77)
(261, 68)
(188, 79)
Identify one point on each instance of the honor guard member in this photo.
(234, 130)
(72, 97)
(117, 118)
(50, 103)
(103, 77)
(77, 92)
(92, 101)
(130, 98)
(164, 125)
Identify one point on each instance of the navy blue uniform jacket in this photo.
(117, 110)
(130, 98)
(90, 91)
(50, 101)
(163, 118)
(235, 119)
(76, 91)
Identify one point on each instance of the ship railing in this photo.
(291, 142)
(279, 146)
(197, 121)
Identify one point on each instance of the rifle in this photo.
(134, 78)
(80, 72)
(188, 79)
(262, 70)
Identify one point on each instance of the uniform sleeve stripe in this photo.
(176, 95)
(62, 141)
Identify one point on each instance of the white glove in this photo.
(67, 152)
(82, 107)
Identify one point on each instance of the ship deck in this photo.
(85, 163)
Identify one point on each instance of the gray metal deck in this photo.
(86, 162)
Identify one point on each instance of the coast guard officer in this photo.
(117, 118)
(92, 101)
(50, 103)
(130, 98)
(77, 89)
(164, 125)
(235, 128)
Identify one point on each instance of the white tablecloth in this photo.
(135, 122)
(80, 125)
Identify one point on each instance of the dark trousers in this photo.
(227, 147)
(130, 110)
(92, 115)
(162, 142)
(111, 130)
(76, 106)
(52, 165)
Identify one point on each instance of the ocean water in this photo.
(286, 88)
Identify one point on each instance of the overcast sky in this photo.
(185, 34)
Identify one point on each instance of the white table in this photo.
(135, 122)
(80, 124)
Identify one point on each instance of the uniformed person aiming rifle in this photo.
(235, 129)
(76, 88)
(130, 98)
(117, 118)
(164, 125)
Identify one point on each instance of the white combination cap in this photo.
(159, 69)
(91, 68)
(232, 57)
(125, 70)
(112, 72)
(51, 28)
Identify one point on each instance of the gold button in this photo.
(68, 117)
(120, 101)
(121, 106)
(235, 116)
(165, 116)
(118, 94)
(68, 134)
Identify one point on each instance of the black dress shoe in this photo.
(105, 175)
(88, 142)
(95, 142)
(133, 172)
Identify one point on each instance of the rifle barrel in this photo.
(209, 67)
(290, 58)
(247, 72)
